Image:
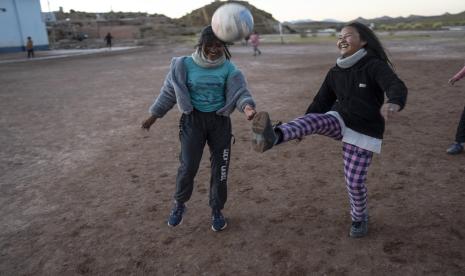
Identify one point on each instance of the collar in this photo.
(201, 60)
(352, 59)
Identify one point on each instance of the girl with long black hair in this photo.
(350, 107)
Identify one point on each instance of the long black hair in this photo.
(207, 35)
(373, 44)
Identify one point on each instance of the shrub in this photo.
(437, 25)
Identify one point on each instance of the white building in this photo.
(18, 20)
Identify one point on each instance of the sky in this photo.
(287, 10)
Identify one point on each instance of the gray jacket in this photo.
(175, 90)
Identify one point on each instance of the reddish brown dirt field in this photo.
(85, 191)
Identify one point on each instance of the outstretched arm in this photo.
(395, 89)
(148, 122)
(166, 100)
(236, 88)
(460, 74)
(249, 112)
(163, 103)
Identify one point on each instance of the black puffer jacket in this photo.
(357, 94)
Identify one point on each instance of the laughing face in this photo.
(349, 42)
(213, 49)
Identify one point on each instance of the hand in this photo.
(389, 109)
(452, 81)
(249, 112)
(148, 122)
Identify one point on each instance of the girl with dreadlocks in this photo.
(207, 87)
(350, 107)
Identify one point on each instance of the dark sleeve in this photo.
(324, 99)
(395, 89)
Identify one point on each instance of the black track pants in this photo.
(460, 134)
(195, 130)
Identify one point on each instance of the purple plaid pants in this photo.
(356, 160)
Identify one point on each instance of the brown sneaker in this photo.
(264, 136)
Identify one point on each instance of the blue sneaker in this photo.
(176, 214)
(218, 221)
(358, 229)
(455, 148)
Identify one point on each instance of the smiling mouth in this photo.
(213, 55)
(343, 46)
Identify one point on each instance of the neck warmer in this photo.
(201, 60)
(349, 61)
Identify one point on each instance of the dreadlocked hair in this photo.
(207, 35)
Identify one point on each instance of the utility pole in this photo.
(52, 33)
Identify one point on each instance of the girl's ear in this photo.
(364, 43)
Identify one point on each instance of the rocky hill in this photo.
(411, 22)
(263, 22)
(446, 19)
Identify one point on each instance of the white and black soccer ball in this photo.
(232, 22)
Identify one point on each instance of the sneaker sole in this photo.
(259, 124)
(170, 225)
(176, 224)
(360, 234)
(216, 230)
(357, 236)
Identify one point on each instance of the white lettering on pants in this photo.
(224, 173)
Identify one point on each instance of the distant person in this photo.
(246, 40)
(350, 107)
(457, 147)
(30, 47)
(108, 39)
(255, 42)
(207, 88)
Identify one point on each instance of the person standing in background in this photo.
(246, 40)
(108, 39)
(255, 41)
(457, 147)
(30, 47)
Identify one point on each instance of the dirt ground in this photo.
(85, 191)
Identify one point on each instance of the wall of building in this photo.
(18, 20)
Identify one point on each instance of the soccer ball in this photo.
(232, 22)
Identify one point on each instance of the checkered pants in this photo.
(356, 160)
